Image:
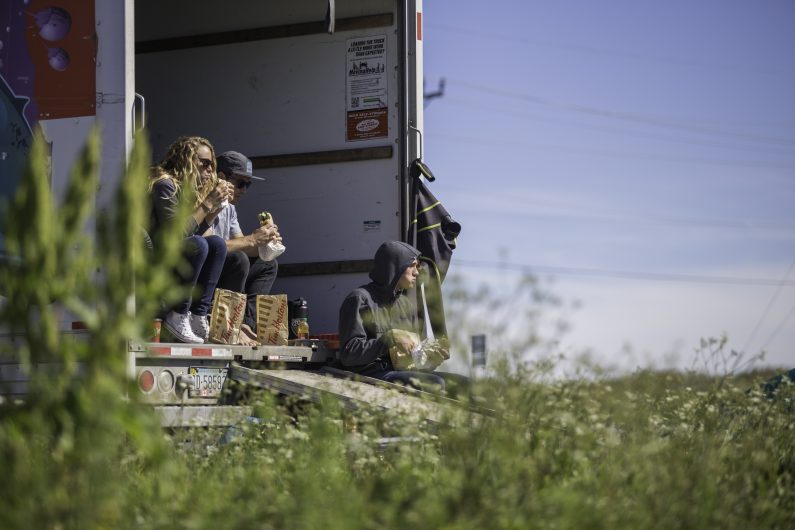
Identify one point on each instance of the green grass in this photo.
(647, 450)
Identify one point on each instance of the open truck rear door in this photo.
(331, 121)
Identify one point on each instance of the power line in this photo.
(601, 51)
(767, 309)
(596, 212)
(626, 275)
(624, 116)
(778, 329)
(776, 150)
(575, 212)
(609, 154)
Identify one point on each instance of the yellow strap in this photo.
(431, 227)
(431, 207)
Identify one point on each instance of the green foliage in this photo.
(61, 447)
(650, 450)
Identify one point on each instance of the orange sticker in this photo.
(367, 124)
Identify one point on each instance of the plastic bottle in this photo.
(302, 329)
(299, 322)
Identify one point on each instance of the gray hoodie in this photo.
(373, 309)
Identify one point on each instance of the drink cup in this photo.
(156, 330)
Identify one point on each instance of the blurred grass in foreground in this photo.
(650, 450)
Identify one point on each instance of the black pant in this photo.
(244, 274)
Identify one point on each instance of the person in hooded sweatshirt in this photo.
(379, 315)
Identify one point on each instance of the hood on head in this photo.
(391, 261)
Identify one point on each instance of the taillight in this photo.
(146, 380)
(165, 381)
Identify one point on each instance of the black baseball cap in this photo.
(233, 163)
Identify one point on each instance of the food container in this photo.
(271, 251)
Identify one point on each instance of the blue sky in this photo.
(639, 155)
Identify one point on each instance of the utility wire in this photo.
(601, 51)
(775, 150)
(767, 309)
(609, 154)
(628, 275)
(620, 115)
(778, 329)
(575, 213)
(596, 212)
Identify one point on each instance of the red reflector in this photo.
(77, 324)
(419, 26)
(146, 380)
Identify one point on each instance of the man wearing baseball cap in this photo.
(244, 271)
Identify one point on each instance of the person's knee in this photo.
(197, 246)
(270, 270)
(216, 245)
(266, 268)
(238, 261)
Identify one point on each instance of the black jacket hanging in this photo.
(435, 234)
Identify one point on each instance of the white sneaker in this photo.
(200, 326)
(180, 326)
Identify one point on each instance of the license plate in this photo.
(208, 382)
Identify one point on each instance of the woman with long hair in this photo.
(187, 172)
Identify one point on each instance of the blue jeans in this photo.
(206, 257)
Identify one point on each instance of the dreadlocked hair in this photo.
(181, 165)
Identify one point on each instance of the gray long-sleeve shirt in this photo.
(373, 309)
(165, 205)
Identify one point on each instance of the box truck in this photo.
(324, 96)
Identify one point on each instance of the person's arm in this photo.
(357, 347)
(250, 243)
(208, 210)
(166, 204)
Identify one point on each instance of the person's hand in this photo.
(404, 341)
(264, 234)
(222, 191)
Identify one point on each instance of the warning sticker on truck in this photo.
(366, 124)
(366, 88)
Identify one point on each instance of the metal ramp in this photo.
(353, 392)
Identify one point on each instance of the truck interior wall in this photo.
(282, 96)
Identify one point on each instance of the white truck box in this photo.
(324, 96)
(331, 120)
